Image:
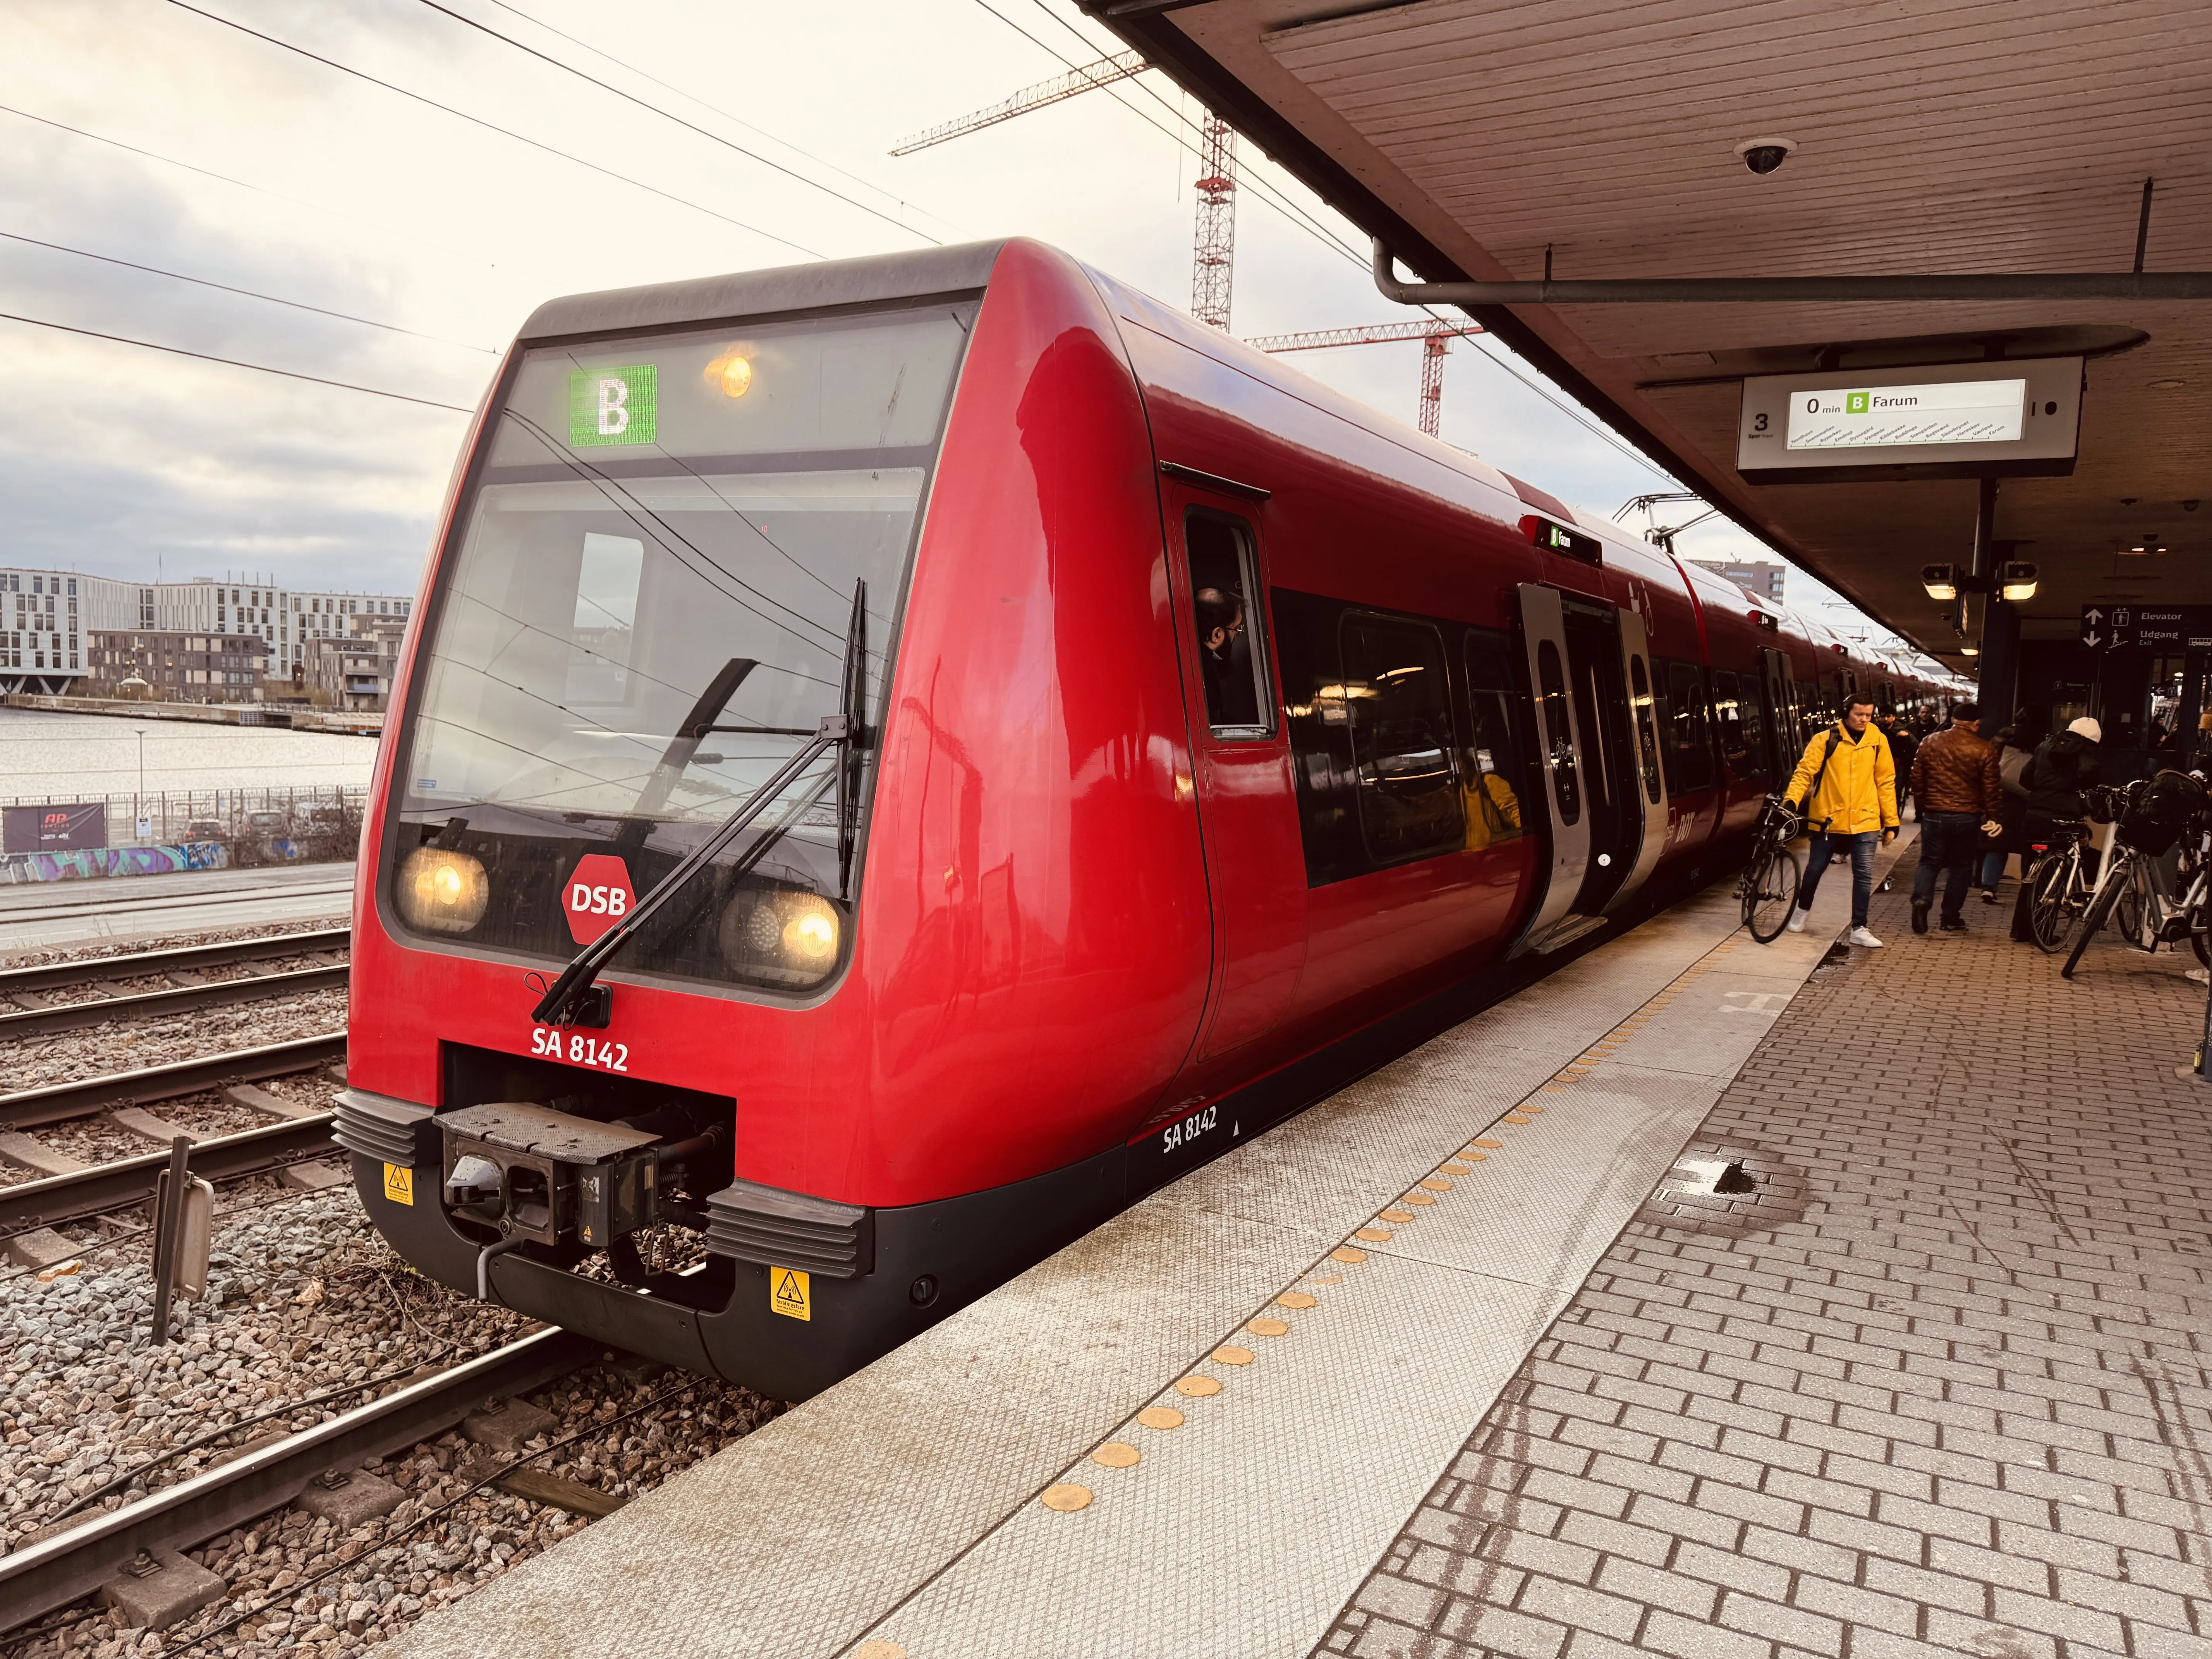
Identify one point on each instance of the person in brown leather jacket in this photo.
(1955, 778)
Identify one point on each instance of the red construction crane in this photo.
(1435, 338)
(1103, 73)
(1214, 247)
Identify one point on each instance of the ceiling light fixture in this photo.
(1941, 581)
(2017, 584)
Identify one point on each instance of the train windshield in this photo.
(675, 545)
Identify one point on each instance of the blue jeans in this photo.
(1949, 841)
(1993, 863)
(1861, 849)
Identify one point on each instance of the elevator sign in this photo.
(2126, 627)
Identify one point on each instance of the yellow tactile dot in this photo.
(1374, 1235)
(1435, 1183)
(1515, 1117)
(1401, 1217)
(1552, 1088)
(1294, 1299)
(1264, 1327)
(1345, 1252)
(879, 1651)
(1493, 1146)
(1197, 1388)
(1531, 1110)
(1160, 1417)
(1422, 1199)
(1476, 1157)
(1326, 1278)
(1450, 1167)
(1233, 1355)
(1114, 1455)
(1065, 1497)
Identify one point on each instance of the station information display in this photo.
(1922, 420)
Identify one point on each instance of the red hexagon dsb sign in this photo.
(597, 896)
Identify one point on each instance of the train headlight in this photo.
(810, 937)
(443, 892)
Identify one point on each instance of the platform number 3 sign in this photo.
(614, 406)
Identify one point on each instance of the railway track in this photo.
(44, 1576)
(28, 991)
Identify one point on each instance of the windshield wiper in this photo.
(569, 995)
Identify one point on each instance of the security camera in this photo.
(1763, 155)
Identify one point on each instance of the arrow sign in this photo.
(2091, 638)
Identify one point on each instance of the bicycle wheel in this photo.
(1773, 895)
(2128, 912)
(2049, 920)
(2100, 907)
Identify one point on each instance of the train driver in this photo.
(1224, 656)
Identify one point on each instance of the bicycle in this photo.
(2145, 908)
(1767, 889)
(2058, 889)
(2125, 870)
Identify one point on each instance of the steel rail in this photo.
(108, 1187)
(73, 1565)
(86, 971)
(27, 1109)
(152, 1005)
(141, 903)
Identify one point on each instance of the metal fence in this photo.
(269, 825)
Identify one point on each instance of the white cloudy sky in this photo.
(283, 175)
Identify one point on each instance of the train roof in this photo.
(873, 280)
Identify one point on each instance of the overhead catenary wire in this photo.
(1298, 215)
(250, 293)
(693, 98)
(226, 179)
(232, 362)
(492, 126)
(671, 115)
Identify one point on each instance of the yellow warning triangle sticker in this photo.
(790, 1293)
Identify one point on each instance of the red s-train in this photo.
(1002, 738)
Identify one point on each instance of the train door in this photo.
(1254, 858)
(1782, 718)
(1544, 641)
(1647, 778)
(1612, 793)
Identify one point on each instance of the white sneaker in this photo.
(1865, 936)
(1797, 920)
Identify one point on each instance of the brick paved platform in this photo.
(1936, 1386)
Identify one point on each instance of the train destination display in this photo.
(1923, 420)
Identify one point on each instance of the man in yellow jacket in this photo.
(1846, 785)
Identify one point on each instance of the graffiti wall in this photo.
(88, 862)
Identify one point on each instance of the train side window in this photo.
(1751, 713)
(1493, 775)
(1727, 720)
(1399, 704)
(1642, 704)
(1558, 731)
(1233, 653)
(1689, 749)
(1319, 719)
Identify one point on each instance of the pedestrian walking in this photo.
(2015, 745)
(1846, 784)
(1903, 745)
(1955, 778)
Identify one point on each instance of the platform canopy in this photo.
(1481, 139)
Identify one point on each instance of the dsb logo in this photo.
(597, 896)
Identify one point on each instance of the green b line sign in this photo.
(613, 406)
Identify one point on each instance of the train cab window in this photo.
(1398, 704)
(1492, 775)
(1232, 655)
(1689, 748)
